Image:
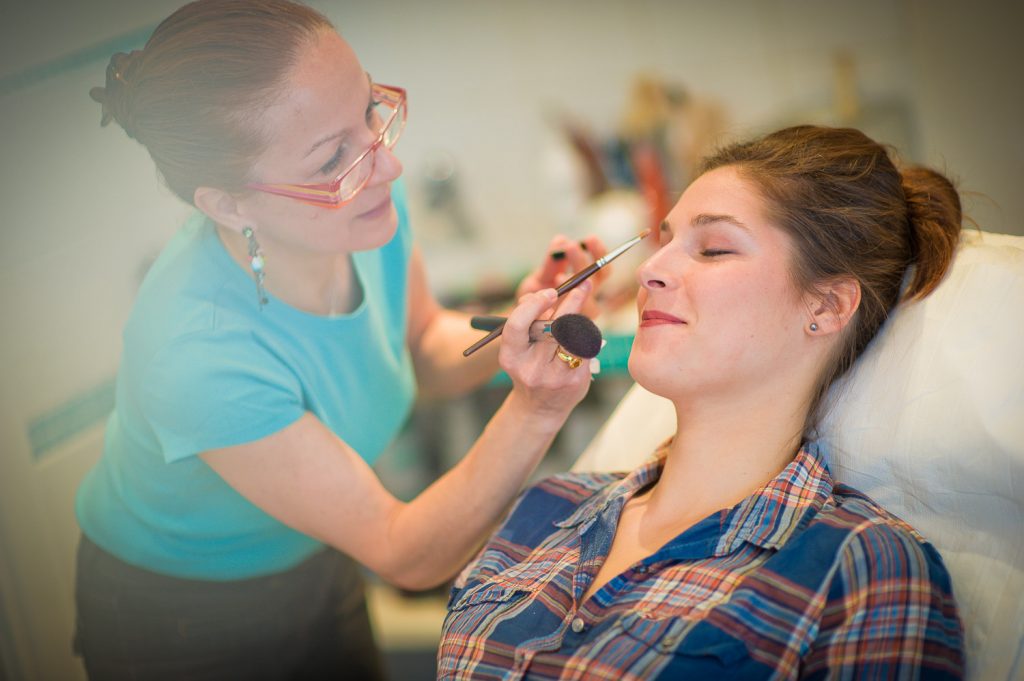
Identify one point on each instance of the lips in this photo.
(381, 207)
(657, 318)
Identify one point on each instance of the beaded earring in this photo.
(257, 264)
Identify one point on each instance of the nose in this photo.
(386, 166)
(653, 272)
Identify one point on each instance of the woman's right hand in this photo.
(546, 383)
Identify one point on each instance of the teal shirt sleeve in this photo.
(215, 389)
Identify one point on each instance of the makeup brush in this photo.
(568, 285)
(576, 333)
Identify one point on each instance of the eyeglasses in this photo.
(389, 113)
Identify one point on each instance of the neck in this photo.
(321, 284)
(726, 448)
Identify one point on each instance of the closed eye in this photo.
(333, 163)
(715, 252)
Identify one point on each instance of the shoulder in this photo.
(555, 498)
(889, 603)
(876, 547)
(543, 507)
(213, 348)
(862, 516)
(573, 488)
(534, 521)
(192, 285)
(852, 544)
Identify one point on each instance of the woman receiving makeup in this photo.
(274, 350)
(731, 553)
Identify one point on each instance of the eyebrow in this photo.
(341, 133)
(704, 219)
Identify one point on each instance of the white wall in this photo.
(482, 76)
(81, 212)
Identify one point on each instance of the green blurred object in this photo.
(614, 357)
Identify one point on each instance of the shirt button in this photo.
(641, 569)
(578, 625)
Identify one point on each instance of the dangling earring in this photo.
(256, 263)
(814, 326)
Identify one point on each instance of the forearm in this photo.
(437, 533)
(441, 369)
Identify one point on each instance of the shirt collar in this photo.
(767, 518)
(636, 480)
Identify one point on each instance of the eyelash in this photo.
(714, 252)
(335, 160)
(332, 164)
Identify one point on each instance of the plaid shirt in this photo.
(803, 579)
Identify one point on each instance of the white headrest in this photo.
(931, 426)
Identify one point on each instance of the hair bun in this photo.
(114, 97)
(121, 65)
(99, 95)
(935, 216)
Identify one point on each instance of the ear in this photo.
(833, 305)
(221, 207)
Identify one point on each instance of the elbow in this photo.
(413, 576)
(409, 565)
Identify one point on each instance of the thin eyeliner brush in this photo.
(568, 285)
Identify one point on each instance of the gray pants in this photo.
(309, 622)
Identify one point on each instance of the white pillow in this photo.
(931, 425)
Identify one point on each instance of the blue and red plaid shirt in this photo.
(803, 579)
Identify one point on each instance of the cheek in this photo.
(641, 300)
(773, 316)
(755, 309)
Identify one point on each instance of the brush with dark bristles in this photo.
(576, 333)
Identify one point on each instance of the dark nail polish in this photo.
(558, 255)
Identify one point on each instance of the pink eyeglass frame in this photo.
(326, 194)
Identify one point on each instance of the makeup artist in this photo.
(274, 350)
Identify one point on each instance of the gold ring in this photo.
(572, 360)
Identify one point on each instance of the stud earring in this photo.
(814, 326)
(257, 264)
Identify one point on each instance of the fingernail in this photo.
(583, 288)
(583, 246)
(558, 255)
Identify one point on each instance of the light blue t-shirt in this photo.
(203, 367)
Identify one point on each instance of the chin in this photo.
(651, 384)
(645, 370)
(370, 235)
